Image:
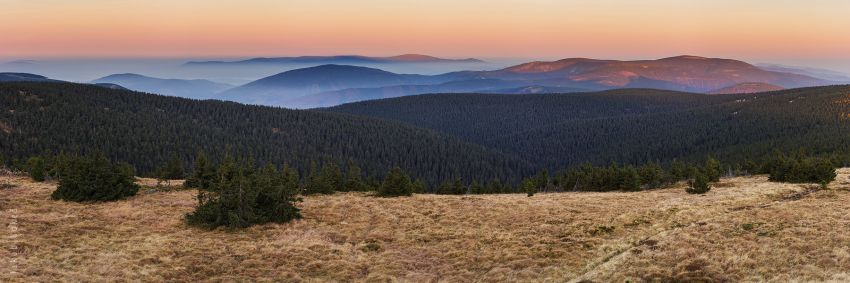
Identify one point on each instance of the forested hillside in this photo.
(145, 130)
(631, 126)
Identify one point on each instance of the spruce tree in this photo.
(419, 187)
(651, 174)
(318, 181)
(36, 169)
(458, 188)
(529, 187)
(445, 188)
(396, 183)
(541, 181)
(332, 177)
(353, 181)
(203, 174)
(291, 181)
(495, 186)
(629, 179)
(678, 171)
(712, 170)
(699, 185)
(174, 169)
(476, 188)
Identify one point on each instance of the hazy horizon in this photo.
(811, 33)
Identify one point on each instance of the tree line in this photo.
(239, 193)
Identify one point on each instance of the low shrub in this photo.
(94, 179)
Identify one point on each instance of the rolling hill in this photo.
(146, 129)
(196, 89)
(631, 125)
(281, 88)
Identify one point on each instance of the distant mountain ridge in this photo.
(24, 77)
(340, 59)
(680, 73)
(812, 72)
(196, 89)
(330, 85)
(281, 88)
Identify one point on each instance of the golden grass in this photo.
(745, 229)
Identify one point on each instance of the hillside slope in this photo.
(635, 126)
(145, 129)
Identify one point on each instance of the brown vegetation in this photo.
(746, 230)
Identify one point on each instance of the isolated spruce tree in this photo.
(94, 179)
(699, 185)
(529, 187)
(712, 170)
(36, 169)
(203, 173)
(396, 183)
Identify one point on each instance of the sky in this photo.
(814, 32)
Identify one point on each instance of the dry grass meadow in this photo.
(745, 229)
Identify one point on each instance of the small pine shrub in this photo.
(240, 196)
(94, 179)
(802, 169)
(699, 185)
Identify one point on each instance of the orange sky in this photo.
(458, 28)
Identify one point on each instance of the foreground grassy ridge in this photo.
(745, 229)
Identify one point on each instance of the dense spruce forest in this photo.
(632, 126)
(453, 142)
(146, 130)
